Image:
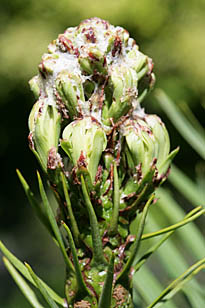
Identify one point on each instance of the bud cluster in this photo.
(88, 123)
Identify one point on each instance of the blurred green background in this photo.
(169, 31)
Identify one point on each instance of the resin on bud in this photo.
(84, 140)
(96, 70)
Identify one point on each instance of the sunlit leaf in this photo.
(186, 129)
(24, 271)
(41, 288)
(23, 286)
(177, 284)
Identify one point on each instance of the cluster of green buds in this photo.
(91, 135)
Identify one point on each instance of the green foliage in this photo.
(24, 287)
(11, 261)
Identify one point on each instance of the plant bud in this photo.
(93, 61)
(35, 85)
(162, 145)
(44, 125)
(147, 140)
(123, 81)
(69, 87)
(84, 141)
(47, 64)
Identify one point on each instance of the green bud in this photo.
(44, 125)
(147, 140)
(69, 87)
(143, 66)
(110, 44)
(123, 81)
(136, 59)
(84, 141)
(33, 115)
(108, 160)
(98, 60)
(48, 63)
(85, 65)
(161, 136)
(94, 61)
(35, 84)
(89, 88)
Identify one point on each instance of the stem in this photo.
(123, 276)
(173, 227)
(115, 215)
(74, 225)
(177, 284)
(82, 289)
(105, 297)
(54, 225)
(98, 257)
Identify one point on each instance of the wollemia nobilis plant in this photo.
(102, 155)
